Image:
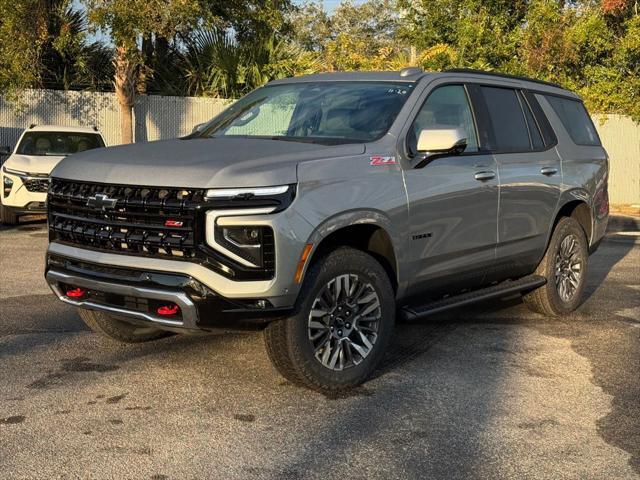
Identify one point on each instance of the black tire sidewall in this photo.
(339, 262)
(7, 217)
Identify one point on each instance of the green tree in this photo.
(359, 36)
(130, 21)
(310, 26)
(217, 64)
(43, 44)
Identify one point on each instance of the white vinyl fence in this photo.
(158, 117)
(620, 135)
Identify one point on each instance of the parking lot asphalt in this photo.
(489, 391)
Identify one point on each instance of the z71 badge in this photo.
(378, 160)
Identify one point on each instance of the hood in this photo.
(199, 162)
(32, 163)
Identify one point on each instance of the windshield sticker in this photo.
(397, 91)
(377, 160)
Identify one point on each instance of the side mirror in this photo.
(440, 142)
(198, 128)
(4, 151)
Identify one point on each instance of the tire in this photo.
(338, 357)
(110, 326)
(7, 217)
(553, 299)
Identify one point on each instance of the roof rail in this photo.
(502, 75)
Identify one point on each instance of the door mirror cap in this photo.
(198, 128)
(440, 142)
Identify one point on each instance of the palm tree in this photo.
(68, 61)
(215, 63)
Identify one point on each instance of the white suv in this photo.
(25, 174)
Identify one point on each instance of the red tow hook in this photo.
(76, 292)
(168, 310)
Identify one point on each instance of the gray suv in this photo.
(325, 207)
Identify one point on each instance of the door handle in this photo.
(486, 175)
(548, 171)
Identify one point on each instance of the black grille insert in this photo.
(37, 185)
(158, 222)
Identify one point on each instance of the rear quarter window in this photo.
(575, 119)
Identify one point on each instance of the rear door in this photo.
(530, 177)
(453, 201)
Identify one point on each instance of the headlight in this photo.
(7, 185)
(11, 171)
(248, 243)
(247, 192)
(24, 175)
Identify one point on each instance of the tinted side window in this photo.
(446, 107)
(507, 120)
(575, 120)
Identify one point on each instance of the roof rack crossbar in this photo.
(502, 75)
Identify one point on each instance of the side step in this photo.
(495, 291)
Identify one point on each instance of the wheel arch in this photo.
(369, 232)
(575, 204)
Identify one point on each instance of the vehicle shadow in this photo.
(27, 223)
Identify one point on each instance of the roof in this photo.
(415, 74)
(61, 128)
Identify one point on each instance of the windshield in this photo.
(322, 112)
(58, 143)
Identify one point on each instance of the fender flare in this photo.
(351, 218)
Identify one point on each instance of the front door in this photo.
(453, 202)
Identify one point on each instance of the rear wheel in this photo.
(112, 327)
(7, 217)
(342, 326)
(565, 267)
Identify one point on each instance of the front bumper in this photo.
(20, 199)
(31, 208)
(135, 295)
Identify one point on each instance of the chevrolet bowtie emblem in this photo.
(101, 201)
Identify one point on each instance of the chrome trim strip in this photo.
(189, 312)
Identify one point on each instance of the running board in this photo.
(495, 291)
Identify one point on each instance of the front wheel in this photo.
(343, 324)
(564, 265)
(7, 217)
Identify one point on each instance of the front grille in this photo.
(136, 224)
(37, 185)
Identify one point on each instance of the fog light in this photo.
(76, 292)
(168, 310)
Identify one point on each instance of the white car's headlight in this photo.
(11, 171)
